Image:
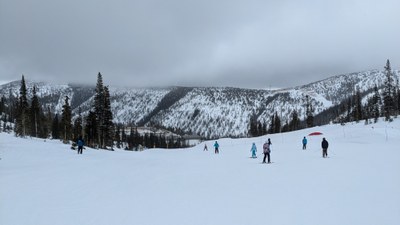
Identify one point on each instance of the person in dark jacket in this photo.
(324, 146)
(304, 143)
(80, 143)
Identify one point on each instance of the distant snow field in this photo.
(44, 182)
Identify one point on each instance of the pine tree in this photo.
(117, 136)
(253, 125)
(264, 128)
(22, 121)
(309, 112)
(272, 125)
(397, 96)
(357, 109)
(376, 104)
(277, 123)
(107, 125)
(2, 104)
(55, 128)
(103, 113)
(78, 126)
(66, 124)
(91, 129)
(99, 109)
(35, 114)
(49, 122)
(294, 124)
(388, 101)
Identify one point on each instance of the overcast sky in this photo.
(249, 43)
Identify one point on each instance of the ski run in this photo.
(44, 182)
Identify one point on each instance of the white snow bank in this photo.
(44, 182)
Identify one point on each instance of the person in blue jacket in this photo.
(216, 145)
(304, 143)
(253, 151)
(80, 143)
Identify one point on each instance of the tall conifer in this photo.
(66, 125)
(22, 121)
(388, 91)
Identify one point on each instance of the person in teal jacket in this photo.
(216, 145)
(253, 151)
(304, 143)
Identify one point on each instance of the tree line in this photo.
(384, 103)
(26, 116)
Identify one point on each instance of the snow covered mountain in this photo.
(208, 111)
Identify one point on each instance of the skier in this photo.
(253, 151)
(80, 143)
(216, 145)
(304, 143)
(324, 146)
(205, 147)
(267, 150)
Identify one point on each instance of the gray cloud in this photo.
(250, 43)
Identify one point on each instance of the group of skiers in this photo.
(267, 149)
(324, 145)
(216, 147)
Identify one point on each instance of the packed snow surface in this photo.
(47, 183)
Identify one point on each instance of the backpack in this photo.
(266, 148)
(80, 142)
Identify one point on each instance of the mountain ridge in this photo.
(207, 111)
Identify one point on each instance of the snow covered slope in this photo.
(46, 183)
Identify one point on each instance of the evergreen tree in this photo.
(123, 135)
(107, 125)
(309, 112)
(397, 96)
(2, 104)
(277, 123)
(264, 128)
(49, 122)
(99, 109)
(388, 101)
(253, 125)
(22, 121)
(272, 125)
(43, 129)
(275, 126)
(35, 114)
(259, 129)
(91, 129)
(55, 128)
(66, 124)
(358, 110)
(376, 104)
(294, 124)
(117, 136)
(78, 126)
